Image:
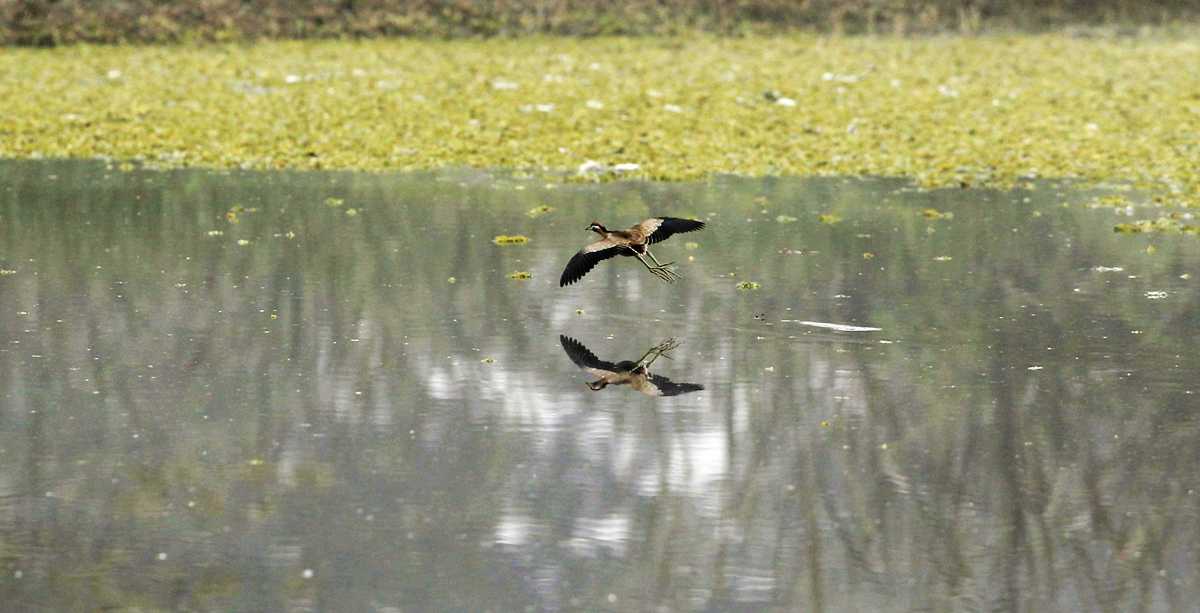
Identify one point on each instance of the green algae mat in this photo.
(985, 111)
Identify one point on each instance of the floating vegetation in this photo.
(235, 211)
(510, 240)
(6, 271)
(935, 214)
(579, 311)
(520, 275)
(335, 201)
(785, 219)
(487, 361)
(830, 218)
(747, 285)
(452, 280)
(538, 211)
(691, 245)
(1167, 225)
(978, 111)
(942, 258)
(1111, 200)
(243, 242)
(352, 212)
(797, 251)
(215, 233)
(868, 255)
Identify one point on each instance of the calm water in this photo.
(300, 411)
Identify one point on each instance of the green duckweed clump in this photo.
(503, 239)
(943, 111)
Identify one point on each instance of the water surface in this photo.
(310, 409)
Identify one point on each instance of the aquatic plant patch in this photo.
(961, 111)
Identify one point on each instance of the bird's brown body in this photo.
(631, 242)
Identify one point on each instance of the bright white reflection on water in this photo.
(219, 391)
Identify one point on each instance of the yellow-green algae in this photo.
(503, 239)
(943, 111)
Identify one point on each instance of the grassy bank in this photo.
(943, 111)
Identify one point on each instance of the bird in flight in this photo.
(634, 374)
(631, 242)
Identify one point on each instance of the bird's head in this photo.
(597, 385)
(597, 228)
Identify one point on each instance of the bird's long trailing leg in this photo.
(660, 265)
(663, 267)
(669, 276)
(660, 349)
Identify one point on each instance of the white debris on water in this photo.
(591, 166)
(829, 326)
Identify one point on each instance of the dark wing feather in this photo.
(660, 229)
(670, 388)
(585, 359)
(587, 258)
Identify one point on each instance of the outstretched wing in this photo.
(586, 259)
(659, 229)
(585, 359)
(657, 385)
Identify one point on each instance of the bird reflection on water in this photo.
(635, 374)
